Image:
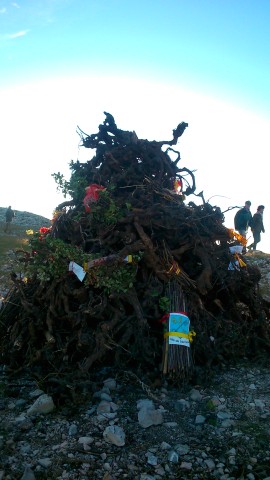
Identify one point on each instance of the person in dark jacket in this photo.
(257, 227)
(243, 218)
(9, 217)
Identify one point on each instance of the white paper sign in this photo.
(77, 269)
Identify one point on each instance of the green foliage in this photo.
(50, 257)
(75, 187)
(117, 278)
(154, 293)
(164, 304)
(212, 421)
(105, 210)
(210, 405)
(62, 184)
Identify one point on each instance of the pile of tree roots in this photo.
(128, 251)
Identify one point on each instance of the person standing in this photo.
(9, 217)
(257, 227)
(242, 219)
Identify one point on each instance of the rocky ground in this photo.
(119, 426)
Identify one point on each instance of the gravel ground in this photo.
(115, 427)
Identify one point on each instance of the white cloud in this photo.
(3, 10)
(21, 33)
(14, 4)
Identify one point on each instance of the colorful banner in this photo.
(179, 329)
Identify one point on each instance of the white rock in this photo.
(43, 404)
(165, 446)
(173, 456)
(45, 462)
(210, 463)
(36, 393)
(147, 417)
(186, 465)
(182, 405)
(259, 403)
(200, 419)
(73, 430)
(110, 383)
(227, 423)
(224, 415)
(151, 459)
(171, 424)
(114, 407)
(86, 440)
(115, 435)
(28, 474)
(182, 449)
(195, 395)
(104, 407)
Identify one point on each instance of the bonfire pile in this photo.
(98, 287)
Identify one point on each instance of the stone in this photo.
(182, 405)
(227, 423)
(173, 456)
(110, 383)
(200, 419)
(115, 435)
(28, 474)
(36, 393)
(186, 465)
(223, 415)
(195, 395)
(151, 459)
(209, 463)
(44, 404)
(73, 430)
(147, 417)
(104, 407)
(45, 462)
(182, 449)
(165, 446)
(86, 440)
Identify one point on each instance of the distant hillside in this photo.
(26, 219)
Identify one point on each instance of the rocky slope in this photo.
(115, 425)
(26, 219)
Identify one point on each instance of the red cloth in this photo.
(92, 195)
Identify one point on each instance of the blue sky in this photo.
(220, 46)
(152, 64)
